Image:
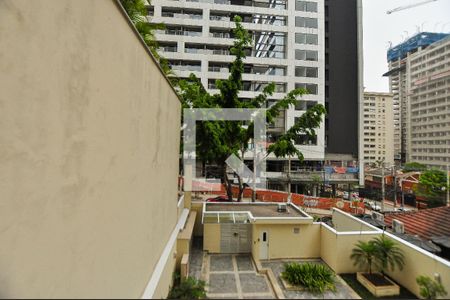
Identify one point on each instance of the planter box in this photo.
(379, 290)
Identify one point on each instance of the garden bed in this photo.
(377, 279)
(380, 286)
(351, 280)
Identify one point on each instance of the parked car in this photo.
(221, 198)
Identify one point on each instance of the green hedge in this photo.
(315, 278)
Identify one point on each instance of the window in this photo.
(304, 104)
(305, 22)
(306, 38)
(308, 55)
(310, 87)
(306, 72)
(306, 6)
(269, 44)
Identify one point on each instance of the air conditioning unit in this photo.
(282, 207)
(398, 226)
(378, 216)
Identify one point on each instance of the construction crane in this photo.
(408, 6)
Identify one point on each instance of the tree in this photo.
(414, 167)
(381, 252)
(217, 140)
(429, 288)
(137, 12)
(388, 254)
(364, 254)
(432, 185)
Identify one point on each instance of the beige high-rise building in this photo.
(429, 105)
(378, 128)
(404, 81)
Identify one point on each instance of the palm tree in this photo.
(388, 254)
(364, 254)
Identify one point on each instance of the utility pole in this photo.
(403, 194)
(395, 186)
(382, 189)
(289, 200)
(448, 184)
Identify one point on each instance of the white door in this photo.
(264, 245)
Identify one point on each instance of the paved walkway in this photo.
(230, 276)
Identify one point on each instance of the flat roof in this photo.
(258, 210)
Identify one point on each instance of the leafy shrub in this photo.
(315, 278)
(189, 288)
(429, 288)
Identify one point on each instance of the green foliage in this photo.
(364, 254)
(388, 254)
(137, 12)
(380, 252)
(189, 288)
(219, 139)
(429, 288)
(306, 124)
(316, 278)
(414, 167)
(433, 186)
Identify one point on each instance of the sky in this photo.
(381, 28)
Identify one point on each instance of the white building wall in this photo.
(289, 62)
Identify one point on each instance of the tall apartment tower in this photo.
(289, 46)
(378, 129)
(429, 109)
(344, 81)
(399, 85)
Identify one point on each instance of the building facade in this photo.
(399, 83)
(88, 155)
(429, 105)
(289, 48)
(378, 129)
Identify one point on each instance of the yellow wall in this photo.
(89, 140)
(283, 243)
(184, 239)
(336, 249)
(418, 263)
(211, 238)
(328, 242)
(344, 247)
(344, 222)
(198, 208)
(165, 283)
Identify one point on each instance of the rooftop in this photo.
(421, 39)
(425, 223)
(258, 210)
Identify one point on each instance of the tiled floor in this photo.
(234, 276)
(231, 276)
